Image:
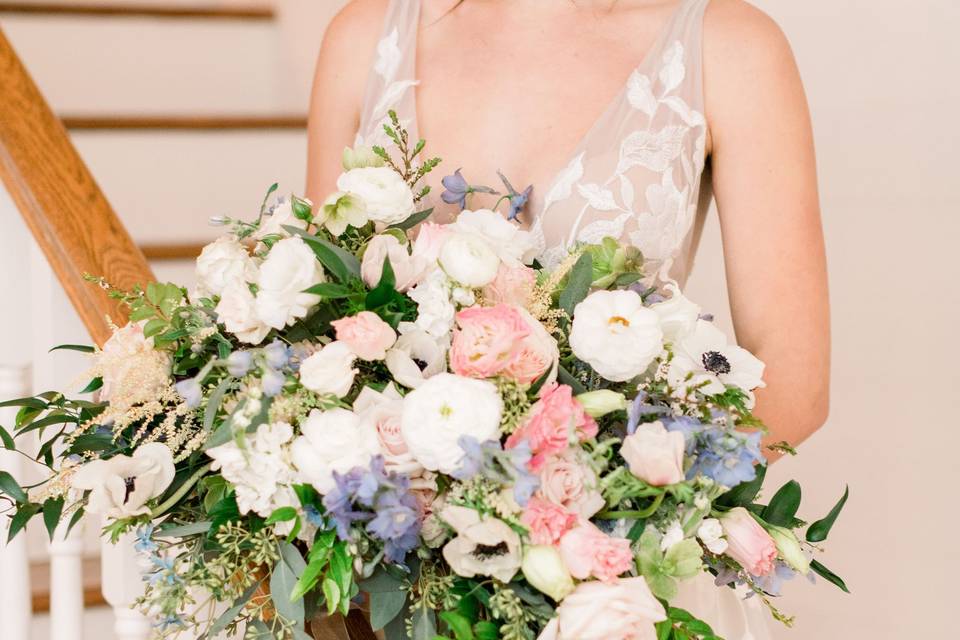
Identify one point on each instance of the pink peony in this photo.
(654, 454)
(568, 482)
(589, 552)
(555, 420)
(537, 354)
(366, 334)
(624, 609)
(513, 285)
(487, 340)
(547, 521)
(749, 544)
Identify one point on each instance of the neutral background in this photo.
(882, 82)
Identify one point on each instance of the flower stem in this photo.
(179, 493)
(636, 514)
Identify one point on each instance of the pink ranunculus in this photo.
(407, 270)
(748, 543)
(513, 285)
(555, 420)
(589, 552)
(567, 481)
(366, 334)
(537, 354)
(624, 609)
(429, 241)
(487, 340)
(654, 454)
(547, 521)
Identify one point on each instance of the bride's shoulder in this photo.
(358, 19)
(735, 29)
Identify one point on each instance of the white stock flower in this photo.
(415, 346)
(260, 472)
(484, 545)
(335, 440)
(513, 244)
(442, 410)
(710, 533)
(121, 486)
(280, 216)
(711, 355)
(469, 260)
(387, 199)
(435, 311)
(329, 370)
(678, 316)
(289, 269)
(615, 334)
(223, 262)
(237, 311)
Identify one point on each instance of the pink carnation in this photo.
(546, 521)
(367, 336)
(487, 340)
(555, 420)
(513, 285)
(589, 552)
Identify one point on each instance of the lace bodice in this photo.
(636, 175)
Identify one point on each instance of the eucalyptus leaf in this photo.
(282, 582)
(228, 616)
(183, 531)
(385, 606)
(424, 625)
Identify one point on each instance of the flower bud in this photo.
(601, 402)
(789, 548)
(544, 569)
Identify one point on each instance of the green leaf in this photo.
(94, 384)
(51, 514)
(819, 530)
(282, 582)
(568, 379)
(486, 630)
(413, 220)
(424, 625)
(31, 402)
(213, 403)
(230, 614)
(745, 492)
(11, 487)
(539, 382)
(578, 284)
(387, 597)
(7, 439)
(828, 575)
(331, 592)
(330, 290)
(185, 530)
(783, 506)
(339, 262)
(21, 518)
(153, 327)
(282, 514)
(83, 348)
(384, 292)
(458, 624)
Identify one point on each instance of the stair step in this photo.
(183, 122)
(139, 10)
(40, 585)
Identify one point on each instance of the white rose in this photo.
(513, 244)
(710, 533)
(290, 268)
(329, 370)
(387, 199)
(678, 316)
(442, 410)
(469, 260)
(280, 216)
(435, 311)
(332, 441)
(121, 486)
(222, 262)
(615, 334)
(412, 347)
(237, 311)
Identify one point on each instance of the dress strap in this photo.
(393, 75)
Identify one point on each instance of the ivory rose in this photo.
(654, 454)
(747, 542)
(237, 312)
(512, 285)
(289, 269)
(624, 609)
(570, 483)
(407, 269)
(469, 260)
(332, 441)
(554, 421)
(367, 335)
(329, 370)
(387, 199)
(487, 340)
(382, 411)
(590, 553)
(547, 521)
(221, 262)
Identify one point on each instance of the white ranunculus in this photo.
(469, 260)
(442, 410)
(121, 486)
(513, 244)
(280, 216)
(332, 441)
(435, 311)
(678, 316)
(710, 533)
(237, 311)
(707, 348)
(329, 370)
(223, 262)
(290, 268)
(615, 334)
(412, 347)
(387, 199)
(260, 472)
(475, 531)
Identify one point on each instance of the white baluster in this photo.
(14, 565)
(122, 576)
(66, 583)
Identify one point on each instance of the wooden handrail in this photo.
(133, 10)
(184, 122)
(61, 203)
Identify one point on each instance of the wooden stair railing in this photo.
(61, 203)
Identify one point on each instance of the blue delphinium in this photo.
(518, 199)
(456, 189)
(382, 500)
(490, 460)
(638, 409)
(191, 392)
(723, 454)
(239, 362)
(272, 381)
(276, 354)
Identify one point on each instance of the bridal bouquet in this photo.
(356, 405)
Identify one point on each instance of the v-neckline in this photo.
(656, 49)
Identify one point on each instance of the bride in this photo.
(626, 117)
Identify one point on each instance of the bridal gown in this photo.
(636, 175)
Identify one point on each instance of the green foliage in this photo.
(413, 220)
(388, 597)
(11, 487)
(662, 569)
(783, 506)
(828, 575)
(578, 284)
(682, 625)
(283, 579)
(820, 529)
(744, 493)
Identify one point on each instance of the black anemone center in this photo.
(421, 364)
(130, 484)
(716, 362)
(485, 552)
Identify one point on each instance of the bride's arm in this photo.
(339, 82)
(764, 177)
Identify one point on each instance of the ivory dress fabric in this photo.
(637, 175)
